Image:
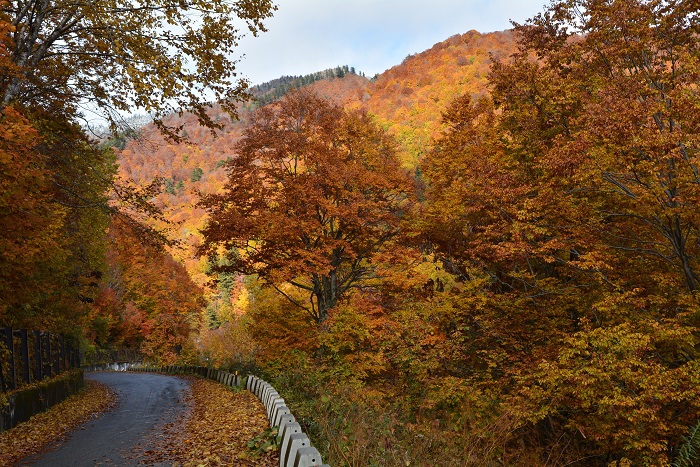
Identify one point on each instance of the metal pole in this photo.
(10, 343)
(24, 354)
(57, 355)
(38, 375)
(48, 354)
(63, 354)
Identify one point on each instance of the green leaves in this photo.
(689, 451)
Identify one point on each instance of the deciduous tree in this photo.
(314, 194)
(574, 192)
(161, 56)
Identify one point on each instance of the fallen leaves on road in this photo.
(217, 431)
(46, 428)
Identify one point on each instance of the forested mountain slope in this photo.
(408, 100)
(523, 291)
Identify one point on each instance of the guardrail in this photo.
(295, 446)
(20, 405)
(30, 356)
(295, 449)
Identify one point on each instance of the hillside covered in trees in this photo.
(81, 251)
(273, 90)
(486, 255)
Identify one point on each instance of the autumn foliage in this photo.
(571, 192)
(535, 304)
(552, 316)
(528, 296)
(147, 301)
(313, 196)
(60, 269)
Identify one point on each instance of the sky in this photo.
(305, 36)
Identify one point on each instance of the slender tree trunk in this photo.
(679, 244)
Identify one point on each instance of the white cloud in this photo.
(372, 35)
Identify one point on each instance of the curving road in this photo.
(145, 403)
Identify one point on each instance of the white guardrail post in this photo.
(295, 446)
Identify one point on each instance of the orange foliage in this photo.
(410, 98)
(30, 224)
(572, 198)
(148, 301)
(313, 196)
(560, 215)
(230, 345)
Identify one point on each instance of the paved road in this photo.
(146, 402)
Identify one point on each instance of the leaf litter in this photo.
(52, 426)
(221, 428)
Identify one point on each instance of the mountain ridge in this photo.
(407, 100)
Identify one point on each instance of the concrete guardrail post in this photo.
(271, 394)
(261, 389)
(281, 411)
(272, 406)
(268, 397)
(296, 442)
(267, 391)
(307, 457)
(249, 382)
(257, 387)
(283, 420)
(287, 431)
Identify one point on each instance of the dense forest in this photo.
(273, 90)
(485, 255)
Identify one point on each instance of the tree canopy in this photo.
(314, 194)
(119, 55)
(59, 60)
(572, 193)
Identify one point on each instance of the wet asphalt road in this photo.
(146, 402)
